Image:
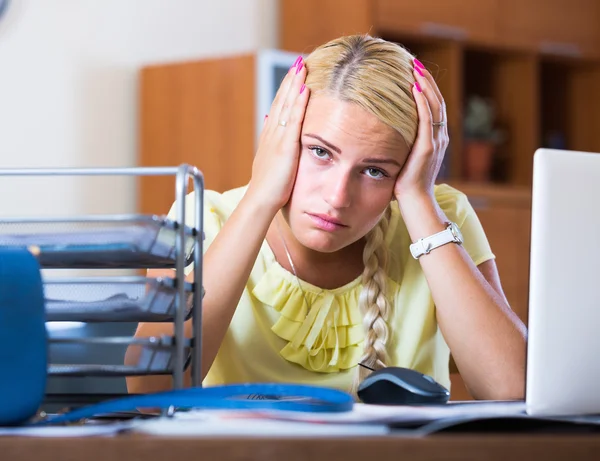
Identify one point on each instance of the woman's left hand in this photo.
(425, 159)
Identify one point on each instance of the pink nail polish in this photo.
(298, 59)
(419, 71)
(418, 87)
(419, 64)
(302, 88)
(300, 66)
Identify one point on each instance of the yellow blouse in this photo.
(275, 336)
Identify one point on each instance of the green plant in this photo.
(480, 121)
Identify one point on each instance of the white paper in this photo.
(217, 426)
(371, 420)
(372, 414)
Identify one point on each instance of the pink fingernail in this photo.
(298, 59)
(419, 71)
(302, 88)
(418, 87)
(300, 66)
(419, 63)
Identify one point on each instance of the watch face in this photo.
(456, 232)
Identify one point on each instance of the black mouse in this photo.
(401, 386)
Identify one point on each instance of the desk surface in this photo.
(463, 447)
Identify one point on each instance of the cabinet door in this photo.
(201, 113)
(565, 27)
(460, 19)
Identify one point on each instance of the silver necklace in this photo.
(289, 257)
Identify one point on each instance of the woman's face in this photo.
(349, 162)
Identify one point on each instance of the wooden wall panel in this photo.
(516, 93)
(583, 107)
(306, 24)
(201, 113)
(453, 19)
(562, 27)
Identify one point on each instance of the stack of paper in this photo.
(362, 420)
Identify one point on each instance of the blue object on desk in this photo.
(23, 342)
(288, 397)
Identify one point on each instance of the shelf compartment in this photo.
(123, 241)
(570, 97)
(105, 299)
(157, 357)
(509, 80)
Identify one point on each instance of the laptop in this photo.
(563, 356)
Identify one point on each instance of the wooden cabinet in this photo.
(454, 19)
(201, 113)
(306, 24)
(556, 27)
(563, 27)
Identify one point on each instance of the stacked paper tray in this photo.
(132, 241)
(109, 299)
(157, 357)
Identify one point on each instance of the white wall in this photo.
(68, 85)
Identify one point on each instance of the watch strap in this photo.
(424, 245)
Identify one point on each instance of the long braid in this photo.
(373, 301)
(377, 76)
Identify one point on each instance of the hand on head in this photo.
(425, 159)
(369, 136)
(276, 161)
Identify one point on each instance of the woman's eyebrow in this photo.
(390, 161)
(327, 143)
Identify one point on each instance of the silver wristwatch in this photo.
(423, 246)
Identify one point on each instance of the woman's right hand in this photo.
(276, 161)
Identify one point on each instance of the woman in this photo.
(307, 269)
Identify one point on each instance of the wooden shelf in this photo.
(570, 94)
(450, 19)
(510, 81)
(553, 27)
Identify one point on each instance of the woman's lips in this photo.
(326, 223)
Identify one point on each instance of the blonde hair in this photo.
(376, 75)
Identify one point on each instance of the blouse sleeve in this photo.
(213, 217)
(459, 210)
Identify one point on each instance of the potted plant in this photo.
(482, 136)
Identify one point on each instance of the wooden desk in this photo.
(463, 447)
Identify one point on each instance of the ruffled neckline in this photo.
(322, 327)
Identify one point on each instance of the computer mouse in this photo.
(401, 386)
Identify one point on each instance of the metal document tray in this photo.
(157, 357)
(107, 299)
(132, 241)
